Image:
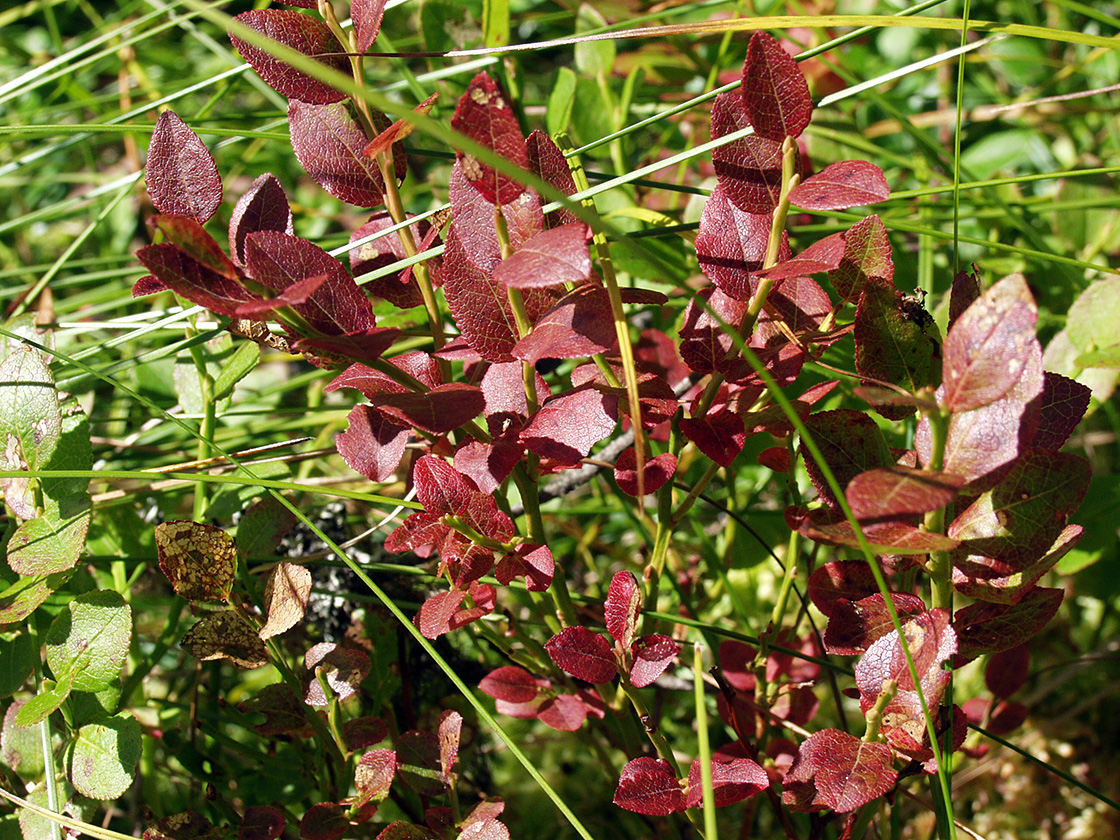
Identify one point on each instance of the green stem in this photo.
(710, 829)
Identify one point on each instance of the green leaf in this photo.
(560, 101)
(22, 746)
(30, 424)
(495, 22)
(239, 365)
(45, 703)
(51, 542)
(17, 660)
(102, 760)
(1092, 318)
(594, 58)
(89, 639)
(24, 596)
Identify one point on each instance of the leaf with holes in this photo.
(181, 175)
(484, 115)
(732, 781)
(647, 786)
(848, 183)
(583, 654)
(775, 94)
(836, 770)
(302, 33)
(199, 560)
(225, 635)
(264, 206)
(286, 594)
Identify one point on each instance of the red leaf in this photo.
(398, 289)
(732, 781)
(823, 255)
(264, 206)
(867, 257)
(418, 531)
(181, 175)
(838, 771)
(488, 464)
(552, 257)
(189, 278)
(1007, 717)
(484, 116)
(651, 655)
(704, 341)
(801, 303)
(297, 293)
(989, 347)
(366, 15)
(434, 618)
(547, 161)
(990, 628)
(657, 471)
(533, 562)
(749, 169)
(1007, 670)
(396, 133)
(567, 426)
(583, 654)
(850, 442)
(647, 786)
(892, 492)
(358, 346)
(192, 239)
(261, 822)
(439, 411)
(374, 775)
(511, 684)
(622, 608)
(439, 487)
(848, 183)
(775, 95)
(372, 445)
(966, 289)
(302, 33)
(1062, 404)
(474, 220)
(330, 145)
(578, 325)
(732, 243)
(564, 713)
(856, 625)
(719, 435)
(324, 821)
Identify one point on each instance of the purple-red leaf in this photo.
(966, 289)
(900, 491)
(181, 175)
(302, 33)
(839, 771)
(991, 628)
(372, 446)
(823, 255)
(330, 145)
(867, 257)
(720, 435)
(325, 821)
(704, 341)
(828, 526)
(1062, 404)
(439, 411)
(651, 655)
(647, 786)
(567, 426)
(366, 15)
(622, 607)
(854, 626)
(264, 206)
(418, 761)
(987, 579)
(849, 183)
(848, 579)
(583, 654)
(578, 325)
(484, 115)
(732, 243)
(551, 258)
(533, 562)
(656, 472)
(750, 169)
(989, 347)
(488, 464)
(775, 94)
(398, 289)
(261, 822)
(1007, 670)
(546, 160)
(344, 669)
(732, 781)
(511, 684)
(189, 278)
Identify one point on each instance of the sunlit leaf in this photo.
(775, 95)
(302, 33)
(199, 560)
(181, 175)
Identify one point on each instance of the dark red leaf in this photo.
(736, 662)
(398, 289)
(647, 786)
(894, 344)
(732, 243)
(261, 822)
(330, 145)
(567, 426)
(578, 325)
(775, 94)
(439, 411)
(583, 654)
(148, 285)
(372, 446)
(474, 221)
(719, 435)
(546, 160)
(989, 347)
(623, 607)
(511, 684)
(264, 206)
(850, 442)
(488, 464)
(705, 342)
(828, 526)
(801, 303)
(282, 709)
(651, 655)
(191, 238)
(484, 115)
(330, 351)
(564, 713)
(657, 471)
(416, 532)
(374, 775)
(823, 255)
(360, 733)
(439, 487)
(324, 821)
(189, 278)
(892, 492)
(990, 628)
(181, 174)
(849, 183)
(855, 625)
(418, 762)
(836, 770)
(732, 781)
(533, 562)
(867, 257)
(297, 293)
(750, 169)
(401, 830)
(366, 15)
(966, 289)
(1007, 670)
(302, 33)
(1007, 717)
(1062, 404)
(552, 257)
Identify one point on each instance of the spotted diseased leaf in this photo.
(181, 175)
(344, 669)
(418, 762)
(848, 183)
(330, 145)
(750, 168)
(374, 775)
(991, 628)
(324, 821)
(893, 492)
(838, 771)
(191, 279)
(484, 115)
(775, 94)
(302, 33)
(283, 711)
(578, 325)
(533, 562)
(373, 445)
(199, 560)
(583, 654)
(188, 825)
(1062, 404)
(547, 161)
(647, 786)
(732, 781)
(401, 830)
(989, 347)
(264, 206)
(552, 257)
(650, 656)
(261, 822)
(655, 474)
(623, 607)
(450, 727)
(226, 635)
(894, 344)
(567, 426)
(867, 258)
(732, 243)
(850, 443)
(367, 15)
(285, 598)
(854, 626)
